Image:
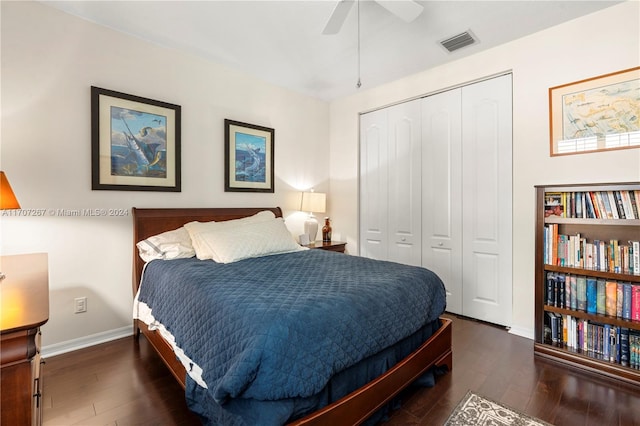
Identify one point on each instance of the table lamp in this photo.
(8, 199)
(313, 202)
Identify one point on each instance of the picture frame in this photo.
(249, 157)
(596, 114)
(135, 143)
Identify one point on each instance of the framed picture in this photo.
(135, 143)
(597, 114)
(248, 153)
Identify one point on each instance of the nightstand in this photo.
(25, 307)
(338, 246)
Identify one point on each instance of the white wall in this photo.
(49, 62)
(593, 45)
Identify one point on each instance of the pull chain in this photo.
(358, 84)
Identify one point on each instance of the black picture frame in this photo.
(135, 143)
(249, 157)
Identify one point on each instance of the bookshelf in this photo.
(587, 277)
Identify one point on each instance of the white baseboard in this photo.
(86, 341)
(522, 332)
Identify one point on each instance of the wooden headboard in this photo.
(149, 222)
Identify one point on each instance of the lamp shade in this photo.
(314, 202)
(8, 199)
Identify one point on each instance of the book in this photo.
(626, 301)
(581, 296)
(592, 295)
(613, 344)
(590, 212)
(635, 302)
(573, 301)
(560, 289)
(624, 346)
(619, 299)
(635, 248)
(634, 204)
(601, 296)
(611, 292)
(614, 206)
(567, 292)
(626, 203)
(619, 205)
(596, 205)
(604, 198)
(551, 284)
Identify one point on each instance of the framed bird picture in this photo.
(135, 143)
(248, 153)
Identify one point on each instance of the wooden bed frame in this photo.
(354, 408)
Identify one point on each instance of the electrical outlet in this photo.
(80, 305)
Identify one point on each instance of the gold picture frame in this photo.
(597, 114)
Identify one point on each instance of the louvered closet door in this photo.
(374, 179)
(487, 200)
(404, 183)
(441, 192)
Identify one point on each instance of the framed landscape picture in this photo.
(596, 114)
(248, 153)
(135, 143)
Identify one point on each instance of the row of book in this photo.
(607, 342)
(598, 255)
(593, 295)
(593, 204)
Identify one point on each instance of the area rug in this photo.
(477, 410)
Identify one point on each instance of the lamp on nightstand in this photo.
(313, 202)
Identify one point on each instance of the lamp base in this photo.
(311, 228)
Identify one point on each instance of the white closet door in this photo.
(487, 200)
(374, 179)
(441, 192)
(404, 190)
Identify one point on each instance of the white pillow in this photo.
(174, 244)
(197, 231)
(256, 239)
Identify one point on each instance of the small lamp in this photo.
(8, 199)
(313, 202)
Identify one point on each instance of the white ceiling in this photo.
(281, 42)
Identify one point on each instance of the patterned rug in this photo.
(476, 410)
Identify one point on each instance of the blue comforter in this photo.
(280, 326)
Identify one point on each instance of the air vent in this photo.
(458, 41)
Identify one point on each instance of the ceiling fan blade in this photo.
(338, 16)
(406, 10)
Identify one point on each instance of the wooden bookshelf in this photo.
(625, 229)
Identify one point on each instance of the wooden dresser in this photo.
(24, 294)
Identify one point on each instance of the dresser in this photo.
(24, 294)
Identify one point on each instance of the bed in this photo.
(351, 396)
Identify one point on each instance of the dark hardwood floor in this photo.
(125, 383)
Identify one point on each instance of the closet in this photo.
(435, 190)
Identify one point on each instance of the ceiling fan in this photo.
(407, 10)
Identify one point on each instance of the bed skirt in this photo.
(250, 412)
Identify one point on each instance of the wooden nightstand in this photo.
(338, 246)
(25, 307)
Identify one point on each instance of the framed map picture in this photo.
(248, 153)
(597, 114)
(135, 143)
